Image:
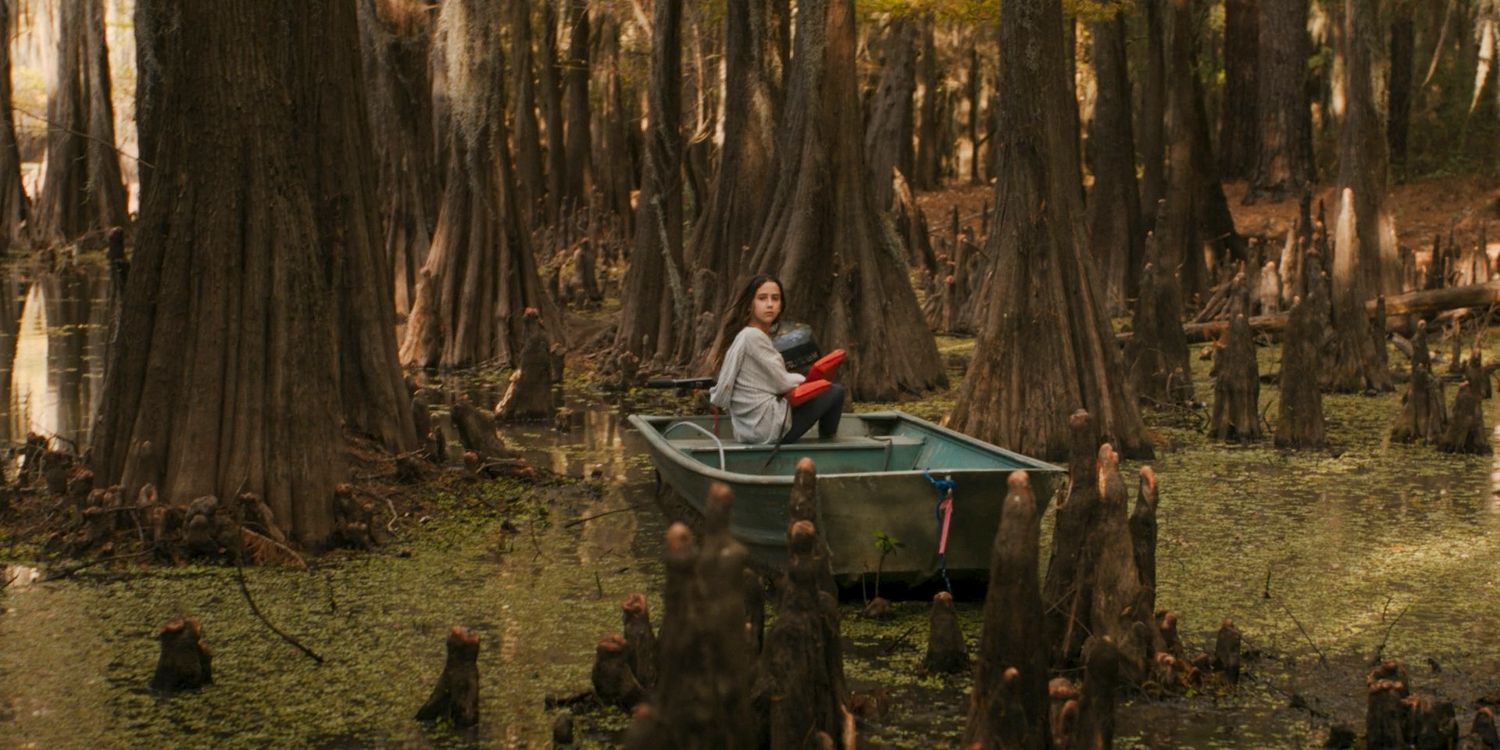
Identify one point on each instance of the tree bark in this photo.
(82, 189)
(1283, 162)
(1114, 213)
(531, 182)
(480, 276)
(232, 377)
(576, 186)
(1363, 156)
(549, 79)
(1237, 116)
(1399, 89)
(654, 314)
(727, 228)
(823, 236)
(1157, 354)
(14, 206)
(926, 169)
(1009, 705)
(888, 129)
(396, 40)
(1355, 360)
(1045, 309)
(1153, 115)
(1300, 421)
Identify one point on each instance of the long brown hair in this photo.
(738, 314)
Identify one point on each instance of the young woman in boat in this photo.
(754, 384)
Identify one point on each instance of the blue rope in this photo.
(943, 487)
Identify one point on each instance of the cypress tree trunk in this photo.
(82, 189)
(1283, 163)
(230, 379)
(1045, 314)
(726, 232)
(844, 272)
(396, 41)
(1181, 239)
(888, 132)
(926, 169)
(549, 78)
(1114, 214)
(480, 275)
(14, 206)
(654, 304)
(1237, 117)
(527, 136)
(1398, 94)
(335, 156)
(576, 79)
(1153, 116)
(1363, 157)
(614, 170)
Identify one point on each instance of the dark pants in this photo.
(825, 409)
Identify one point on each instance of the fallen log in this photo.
(1411, 303)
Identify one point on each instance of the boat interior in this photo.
(864, 444)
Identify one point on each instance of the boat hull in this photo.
(873, 479)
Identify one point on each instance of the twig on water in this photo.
(239, 571)
(70, 571)
(897, 641)
(1321, 658)
(1380, 650)
(586, 519)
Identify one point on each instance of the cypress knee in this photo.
(1236, 413)
(456, 695)
(186, 661)
(946, 651)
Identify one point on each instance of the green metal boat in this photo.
(874, 478)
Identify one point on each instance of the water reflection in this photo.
(52, 338)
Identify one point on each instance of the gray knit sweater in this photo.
(751, 385)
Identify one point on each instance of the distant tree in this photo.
(82, 189)
(14, 206)
(654, 305)
(1114, 213)
(722, 238)
(823, 235)
(396, 43)
(1237, 118)
(1283, 162)
(480, 275)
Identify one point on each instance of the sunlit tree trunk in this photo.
(14, 206)
(82, 189)
(396, 38)
(888, 132)
(480, 275)
(1363, 157)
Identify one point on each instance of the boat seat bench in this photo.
(832, 455)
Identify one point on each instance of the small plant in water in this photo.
(886, 544)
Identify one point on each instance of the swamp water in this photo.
(1383, 543)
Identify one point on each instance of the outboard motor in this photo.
(797, 346)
